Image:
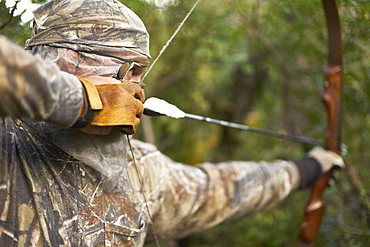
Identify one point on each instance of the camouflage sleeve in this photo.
(192, 199)
(33, 88)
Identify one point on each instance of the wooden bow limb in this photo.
(332, 98)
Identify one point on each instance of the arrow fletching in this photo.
(154, 107)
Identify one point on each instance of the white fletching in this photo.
(163, 107)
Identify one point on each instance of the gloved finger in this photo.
(120, 106)
(333, 176)
(330, 183)
(129, 129)
(326, 158)
(337, 168)
(135, 89)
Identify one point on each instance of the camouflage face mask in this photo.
(94, 26)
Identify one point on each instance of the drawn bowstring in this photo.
(128, 139)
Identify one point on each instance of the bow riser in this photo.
(315, 207)
(332, 99)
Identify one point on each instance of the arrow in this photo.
(159, 107)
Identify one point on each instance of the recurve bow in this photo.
(332, 98)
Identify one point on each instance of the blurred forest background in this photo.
(258, 63)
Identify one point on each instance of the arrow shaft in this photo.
(294, 138)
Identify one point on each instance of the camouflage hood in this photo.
(89, 25)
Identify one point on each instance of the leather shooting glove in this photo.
(113, 105)
(317, 162)
(327, 159)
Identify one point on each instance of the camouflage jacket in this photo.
(62, 187)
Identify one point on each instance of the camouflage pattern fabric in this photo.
(51, 95)
(62, 187)
(73, 31)
(89, 25)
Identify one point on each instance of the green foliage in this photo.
(258, 63)
(12, 26)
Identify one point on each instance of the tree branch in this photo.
(10, 19)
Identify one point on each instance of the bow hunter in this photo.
(68, 105)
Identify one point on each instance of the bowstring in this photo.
(142, 188)
(128, 139)
(171, 38)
